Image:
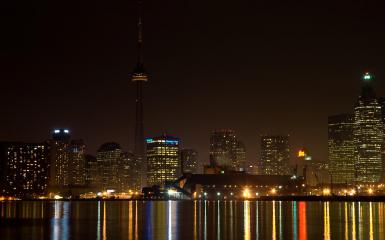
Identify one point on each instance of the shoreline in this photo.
(262, 198)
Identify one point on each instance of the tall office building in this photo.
(92, 171)
(189, 160)
(129, 172)
(162, 159)
(59, 158)
(275, 155)
(109, 157)
(24, 169)
(368, 134)
(341, 148)
(139, 77)
(76, 170)
(226, 150)
(240, 157)
(382, 103)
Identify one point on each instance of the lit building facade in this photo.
(189, 160)
(275, 155)
(162, 160)
(24, 168)
(240, 157)
(59, 158)
(76, 170)
(368, 135)
(341, 148)
(129, 173)
(382, 103)
(226, 150)
(109, 157)
(92, 171)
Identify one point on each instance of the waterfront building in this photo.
(189, 160)
(226, 151)
(162, 160)
(76, 170)
(368, 134)
(24, 169)
(238, 185)
(341, 148)
(59, 158)
(275, 155)
(109, 157)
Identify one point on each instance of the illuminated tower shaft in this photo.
(139, 122)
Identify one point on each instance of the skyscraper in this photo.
(341, 148)
(129, 172)
(139, 77)
(226, 150)
(162, 159)
(368, 134)
(59, 158)
(24, 169)
(76, 170)
(240, 157)
(189, 160)
(92, 171)
(382, 103)
(109, 156)
(275, 155)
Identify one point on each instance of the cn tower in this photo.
(139, 77)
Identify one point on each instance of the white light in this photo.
(110, 191)
(57, 131)
(57, 197)
(66, 131)
(99, 194)
(171, 192)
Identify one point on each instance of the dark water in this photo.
(192, 220)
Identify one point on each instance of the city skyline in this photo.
(94, 98)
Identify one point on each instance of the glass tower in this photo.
(341, 148)
(368, 134)
(162, 160)
(275, 155)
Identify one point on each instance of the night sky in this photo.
(258, 67)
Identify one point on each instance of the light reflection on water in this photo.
(106, 220)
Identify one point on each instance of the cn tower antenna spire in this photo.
(140, 33)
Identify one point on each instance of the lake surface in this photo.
(191, 220)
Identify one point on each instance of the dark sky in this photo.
(259, 67)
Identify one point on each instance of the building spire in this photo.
(367, 91)
(140, 73)
(140, 33)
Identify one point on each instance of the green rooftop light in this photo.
(367, 76)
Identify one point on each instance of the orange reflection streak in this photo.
(380, 220)
(326, 221)
(104, 222)
(370, 221)
(136, 220)
(195, 220)
(274, 231)
(353, 222)
(302, 221)
(346, 222)
(130, 220)
(246, 216)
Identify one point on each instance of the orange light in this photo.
(301, 153)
